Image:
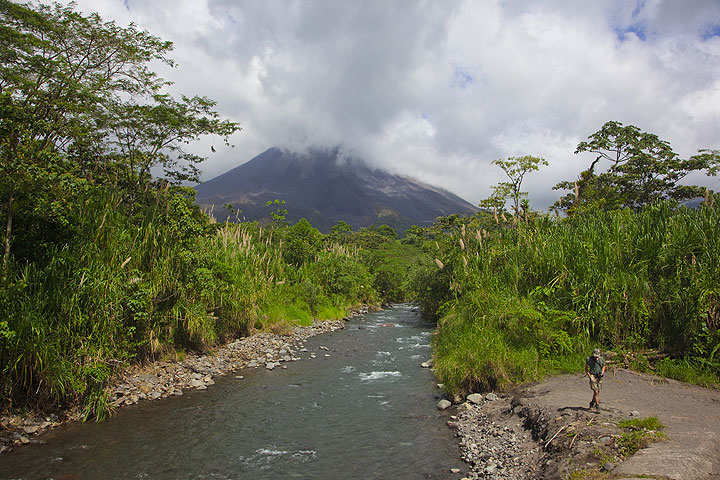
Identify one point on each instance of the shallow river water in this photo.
(364, 411)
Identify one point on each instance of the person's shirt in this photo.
(595, 364)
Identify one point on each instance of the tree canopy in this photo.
(515, 168)
(639, 169)
(80, 107)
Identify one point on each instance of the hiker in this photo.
(595, 369)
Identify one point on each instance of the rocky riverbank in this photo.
(513, 438)
(156, 380)
(547, 431)
(493, 441)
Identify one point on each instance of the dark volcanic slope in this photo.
(319, 187)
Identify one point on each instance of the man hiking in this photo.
(595, 369)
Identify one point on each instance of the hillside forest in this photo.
(107, 260)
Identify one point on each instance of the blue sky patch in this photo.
(712, 30)
(638, 28)
(462, 78)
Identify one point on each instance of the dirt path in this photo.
(691, 415)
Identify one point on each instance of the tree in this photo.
(79, 105)
(339, 233)
(515, 168)
(302, 242)
(641, 169)
(278, 215)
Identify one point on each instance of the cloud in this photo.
(437, 90)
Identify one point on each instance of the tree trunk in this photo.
(8, 232)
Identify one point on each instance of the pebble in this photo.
(443, 404)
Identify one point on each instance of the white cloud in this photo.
(440, 89)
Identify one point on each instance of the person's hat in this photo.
(596, 352)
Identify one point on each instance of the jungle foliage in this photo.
(105, 262)
(628, 269)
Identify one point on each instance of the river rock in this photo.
(195, 383)
(491, 397)
(148, 378)
(475, 398)
(270, 365)
(443, 404)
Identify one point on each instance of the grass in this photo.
(517, 302)
(639, 433)
(588, 474)
(152, 285)
(686, 371)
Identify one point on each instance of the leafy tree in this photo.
(387, 231)
(145, 136)
(302, 242)
(498, 198)
(278, 215)
(515, 168)
(79, 105)
(641, 168)
(339, 233)
(414, 236)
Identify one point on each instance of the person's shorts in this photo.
(595, 383)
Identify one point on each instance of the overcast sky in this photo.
(438, 89)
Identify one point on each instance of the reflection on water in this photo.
(366, 411)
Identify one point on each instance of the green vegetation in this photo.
(522, 297)
(522, 301)
(105, 263)
(639, 433)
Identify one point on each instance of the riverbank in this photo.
(156, 380)
(546, 430)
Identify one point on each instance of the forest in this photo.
(107, 260)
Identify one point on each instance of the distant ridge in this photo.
(325, 189)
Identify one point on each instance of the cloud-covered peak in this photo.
(438, 90)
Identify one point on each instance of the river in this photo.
(362, 409)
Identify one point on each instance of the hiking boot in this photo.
(592, 404)
(597, 407)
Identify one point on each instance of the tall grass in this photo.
(520, 301)
(132, 287)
